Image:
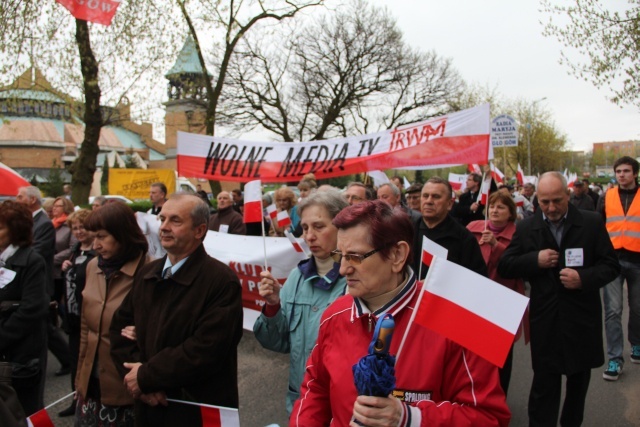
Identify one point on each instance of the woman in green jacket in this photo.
(291, 316)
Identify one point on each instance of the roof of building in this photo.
(187, 61)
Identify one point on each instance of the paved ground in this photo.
(263, 381)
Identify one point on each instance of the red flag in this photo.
(298, 245)
(98, 11)
(520, 175)
(473, 168)
(40, 419)
(496, 174)
(431, 249)
(272, 211)
(252, 202)
(470, 309)
(283, 219)
(214, 416)
(483, 196)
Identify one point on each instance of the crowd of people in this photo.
(153, 321)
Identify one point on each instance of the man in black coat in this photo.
(437, 225)
(468, 208)
(566, 255)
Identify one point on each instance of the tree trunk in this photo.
(84, 166)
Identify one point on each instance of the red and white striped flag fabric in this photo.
(214, 416)
(483, 196)
(471, 310)
(252, 201)
(520, 175)
(272, 211)
(473, 168)
(283, 219)
(98, 11)
(299, 245)
(496, 173)
(40, 419)
(431, 249)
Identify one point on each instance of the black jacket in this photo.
(566, 325)
(462, 245)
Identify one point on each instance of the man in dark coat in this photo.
(566, 255)
(468, 208)
(187, 313)
(437, 225)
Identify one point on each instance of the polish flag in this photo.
(252, 202)
(520, 175)
(40, 419)
(98, 11)
(431, 249)
(471, 310)
(283, 219)
(483, 196)
(473, 168)
(214, 416)
(272, 211)
(299, 245)
(458, 181)
(496, 174)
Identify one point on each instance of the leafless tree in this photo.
(348, 71)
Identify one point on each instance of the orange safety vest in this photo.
(624, 230)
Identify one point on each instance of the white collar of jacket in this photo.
(399, 302)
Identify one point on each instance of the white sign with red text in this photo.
(460, 137)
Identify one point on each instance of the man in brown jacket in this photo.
(187, 313)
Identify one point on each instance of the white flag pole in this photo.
(415, 309)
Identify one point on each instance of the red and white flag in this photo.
(283, 219)
(431, 249)
(473, 168)
(458, 181)
(520, 175)
(252, 201)
(214, 416)
(471, 310)
(299, 245)
(98, 11)
(483, 196)
(40, 419)
(272, 211)
(496, 173)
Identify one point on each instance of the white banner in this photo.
(245, 256)
(460, 137)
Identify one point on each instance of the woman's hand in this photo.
(269, 288)
(66, 264)
(488, 237)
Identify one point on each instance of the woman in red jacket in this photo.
(494, 236)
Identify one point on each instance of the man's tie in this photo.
(166, 274)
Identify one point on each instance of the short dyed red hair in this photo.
(387, 226)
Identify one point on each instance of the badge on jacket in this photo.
(574, 257)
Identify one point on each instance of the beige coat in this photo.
(98, 307)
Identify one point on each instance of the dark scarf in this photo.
(110, 266)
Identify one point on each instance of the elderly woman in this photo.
(290, 319)
(437, 381)
(75, 273)
(286, 200)
(23, 305)
(494, 236)
(121, 247)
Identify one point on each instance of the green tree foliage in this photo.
(608, 41)
(55, 184)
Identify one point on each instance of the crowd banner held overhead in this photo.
(245, 256)
(477, 313)
(134, 183)
(460, 137)
(97, 11)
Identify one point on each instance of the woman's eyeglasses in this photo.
(353, 259)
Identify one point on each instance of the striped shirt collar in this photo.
(359, 308)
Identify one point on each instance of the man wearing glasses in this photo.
(357, 192)
(437, 225)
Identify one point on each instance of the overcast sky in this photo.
(499, 43)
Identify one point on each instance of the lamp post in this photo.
(529, 133)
